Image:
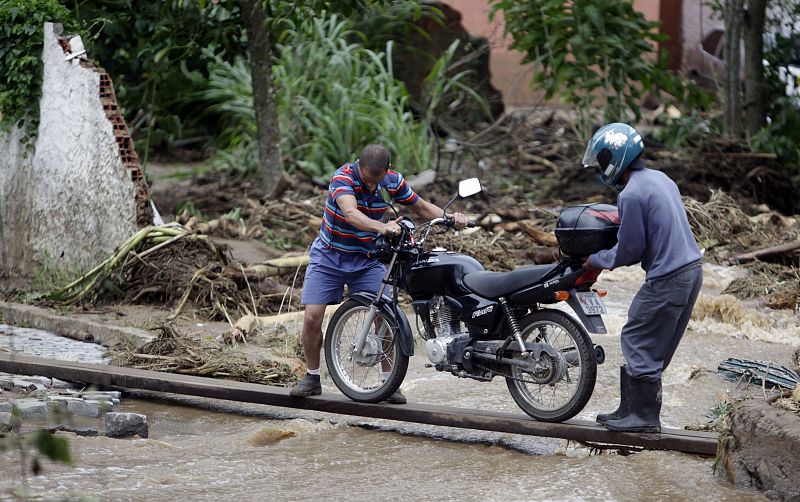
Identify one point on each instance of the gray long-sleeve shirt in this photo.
(653, 227)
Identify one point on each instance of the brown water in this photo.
(200, 454)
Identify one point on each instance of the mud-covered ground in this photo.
(528, 163)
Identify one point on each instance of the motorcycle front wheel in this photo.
(557, 388)
(375, 373)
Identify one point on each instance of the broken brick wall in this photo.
(79, 192)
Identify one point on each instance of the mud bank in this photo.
(761, 450)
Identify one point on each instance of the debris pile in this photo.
(720, 226)
(294, 219)
(172, 266)
(729, 235)
(174, 352)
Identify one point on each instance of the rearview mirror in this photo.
(469, 187)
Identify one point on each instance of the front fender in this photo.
(393, 312)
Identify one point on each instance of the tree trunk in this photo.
(733, 28)
(259, 48)
(755, 105)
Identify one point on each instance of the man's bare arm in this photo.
(348, 205)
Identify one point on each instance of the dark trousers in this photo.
(657, 320)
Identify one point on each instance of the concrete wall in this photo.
(698, 21)
(72, 198)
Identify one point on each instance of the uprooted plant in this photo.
(173, 266)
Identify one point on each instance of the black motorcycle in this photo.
(479, 324)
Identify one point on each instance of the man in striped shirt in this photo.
(352, 219)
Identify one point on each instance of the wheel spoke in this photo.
(362, 373)
(553, 395)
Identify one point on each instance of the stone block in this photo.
(60, 384)
(31, 408)
(59, 403)
(9, 422)
(105, 405)
(123, 425)
(83, 408)
(6, 406)
(6, 382)
(23, 385)
(78, 431)
(102, 394)
(45, 381)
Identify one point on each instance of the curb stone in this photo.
(45, 319)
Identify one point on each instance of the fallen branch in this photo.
(529, 228)
(277, 266)
(751, 155)
(767, 252)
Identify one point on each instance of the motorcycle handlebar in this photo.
(449, 222)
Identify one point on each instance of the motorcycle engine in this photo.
(442, 321)
(441, 328)
(436, 348)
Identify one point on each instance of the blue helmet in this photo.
(613, 148)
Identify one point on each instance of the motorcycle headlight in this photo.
(383, 250)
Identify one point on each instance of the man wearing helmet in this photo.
(655, 232)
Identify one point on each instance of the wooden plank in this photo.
(703, 443)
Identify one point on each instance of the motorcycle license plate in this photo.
(591, 303)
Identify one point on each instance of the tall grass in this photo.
(339, 96)
(334, 96)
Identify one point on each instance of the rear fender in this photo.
(393, 312)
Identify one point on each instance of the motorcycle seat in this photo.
(496, 284)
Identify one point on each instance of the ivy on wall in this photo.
(21, 39)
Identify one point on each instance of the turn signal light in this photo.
(601, 292)
(562, 296)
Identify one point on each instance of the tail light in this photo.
(561, 296)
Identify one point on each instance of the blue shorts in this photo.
(330, 270)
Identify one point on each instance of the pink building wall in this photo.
(509, 75)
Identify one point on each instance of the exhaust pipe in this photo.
(571, 355)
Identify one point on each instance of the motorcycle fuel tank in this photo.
(439, 273)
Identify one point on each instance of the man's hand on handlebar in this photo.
(391, 228)
(459, 220)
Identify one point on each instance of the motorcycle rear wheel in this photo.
(561, 397)
(366, 378)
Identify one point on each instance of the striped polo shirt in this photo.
(335, 231)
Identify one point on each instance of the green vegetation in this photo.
(334, 97)
(147, 48)
(21, 35)
(594, 54)
(691, 128)
(52, 274)
(782, 134)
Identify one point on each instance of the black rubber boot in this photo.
(309, 386)
(624, 400)
(645, 408)
(397, 398)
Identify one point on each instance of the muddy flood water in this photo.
(217, 450)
